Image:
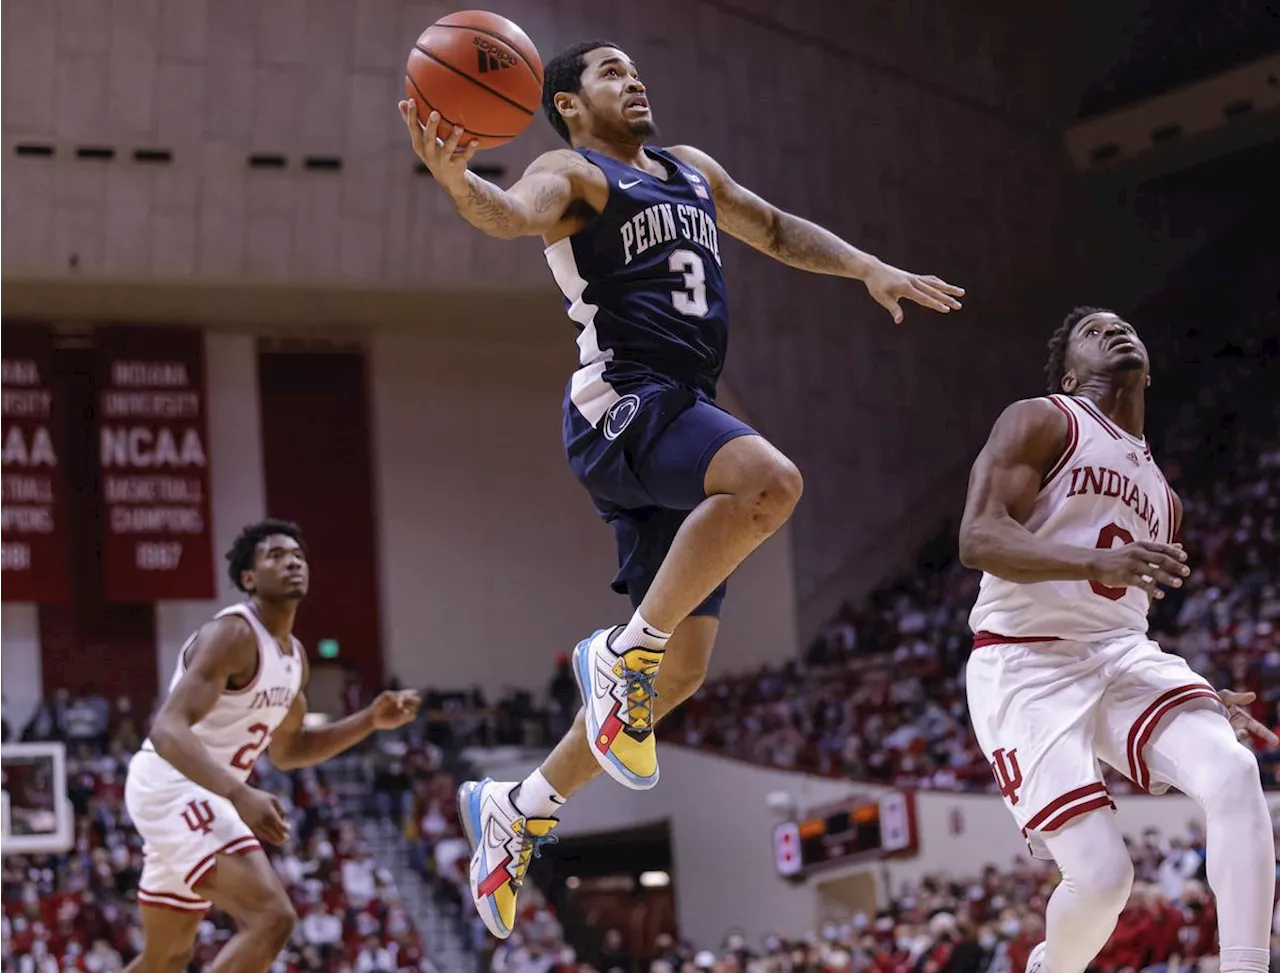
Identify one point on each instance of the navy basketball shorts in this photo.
(644, 465)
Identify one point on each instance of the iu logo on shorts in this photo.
(1008, 774)
(199, 816)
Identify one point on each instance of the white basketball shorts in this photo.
(1045, 712)
(184, 828)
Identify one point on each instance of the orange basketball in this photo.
(478, 70)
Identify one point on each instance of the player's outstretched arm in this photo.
(294, 744)
(805, 245)
(534, 206)
(225, 649)
(1025, 443)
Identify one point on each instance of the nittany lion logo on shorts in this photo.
(620, 415)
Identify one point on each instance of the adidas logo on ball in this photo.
(459, 67)
(491, 57)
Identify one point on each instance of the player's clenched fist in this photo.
(262, 813)
(1142, 564)
(394, 708)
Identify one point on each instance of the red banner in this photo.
(34, 553)
(154, 460)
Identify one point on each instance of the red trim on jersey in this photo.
(1144, 727)
(190, 644)
(239, 846)
(983, 639)
(1072, 813)
(1097, 415)
(1060, 803)
(1174, 528)
(257, 672)
(1073, 440)
(293, 642)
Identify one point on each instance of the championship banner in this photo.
(154, 461)
(35, 550)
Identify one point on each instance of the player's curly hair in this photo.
(1056, 368)
(564, 73)
(240, 557)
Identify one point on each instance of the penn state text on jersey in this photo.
(643, 283)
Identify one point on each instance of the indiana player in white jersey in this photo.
(1076, 531)
(238, 688)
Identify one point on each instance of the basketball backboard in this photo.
(37, 817)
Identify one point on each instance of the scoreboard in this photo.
(861, 828)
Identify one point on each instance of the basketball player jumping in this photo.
(1075, 529)
(632, 239)
(237, 688)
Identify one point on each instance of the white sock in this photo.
(537, 798)
(1244, 959)
(638, 633)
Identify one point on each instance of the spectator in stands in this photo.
(374, 957)
(43, 725)
(320, 928)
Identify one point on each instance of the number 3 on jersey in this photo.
(691, 301)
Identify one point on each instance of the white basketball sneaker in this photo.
(618, 695)
(503, 842)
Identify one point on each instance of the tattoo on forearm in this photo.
(808, 246)
(485, 206)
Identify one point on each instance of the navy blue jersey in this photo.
(644, 285)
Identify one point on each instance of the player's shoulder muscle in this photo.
(568, 163)
(565, 180)
(695, 158)
(1030, 431)
(223, 647)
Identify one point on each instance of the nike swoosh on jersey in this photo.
(628, 185)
